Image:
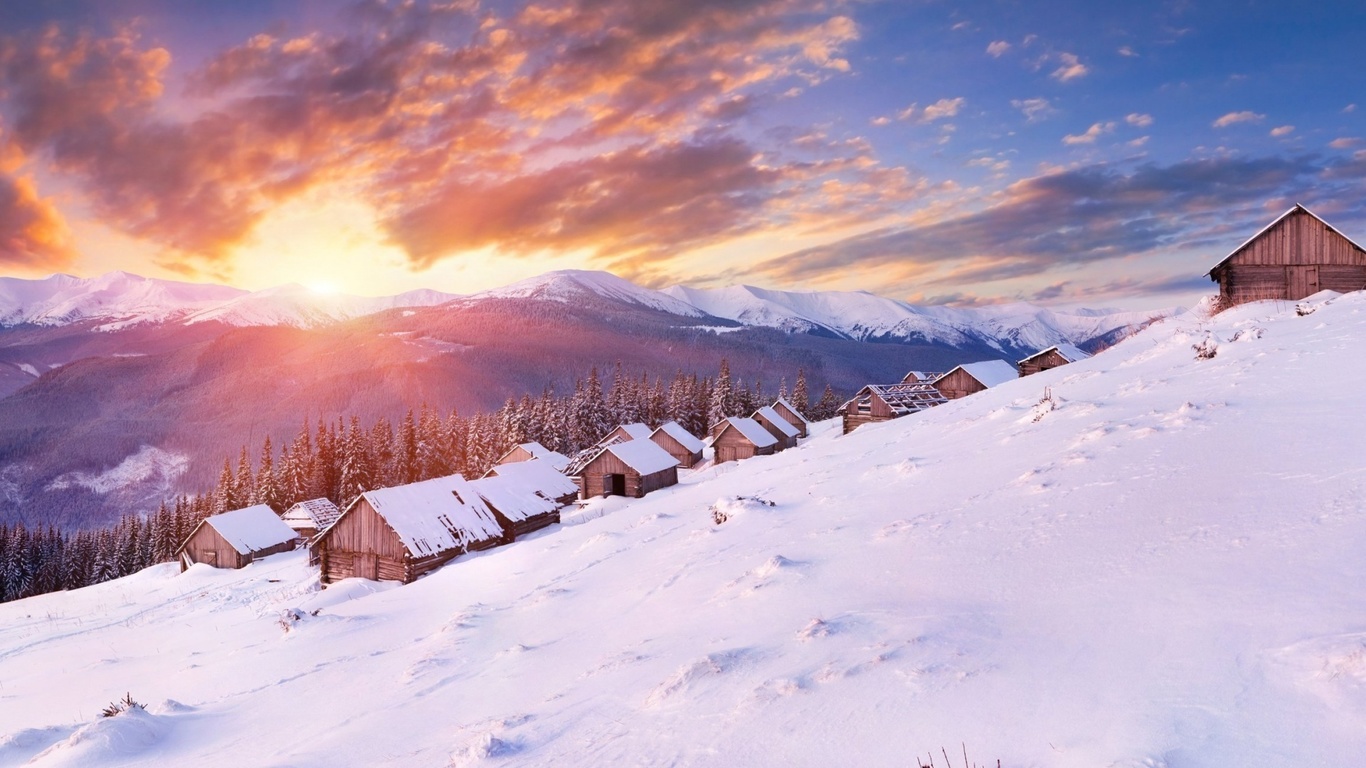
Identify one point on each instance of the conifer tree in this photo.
(827, 406)
(800, 400)
(266, 490)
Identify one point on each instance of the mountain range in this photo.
(118, 390)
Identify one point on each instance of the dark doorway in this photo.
(615, 485)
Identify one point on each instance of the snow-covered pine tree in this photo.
(406, 469)
(246, 481)
(723, 402)
(355, 475)
(266, 490)
(827, 406)
(223, 499)
(800, 399)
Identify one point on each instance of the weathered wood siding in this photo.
(792, 418)
(865, 409)
(730, 445)
(686, 458)
(362, 545)
(784, 441)
(593, 481)
(518, 453)
(1295, 258)
(1050, 359)
(958, 383)
(206, 545)
(515, 528)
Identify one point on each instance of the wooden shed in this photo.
(1295, 256)
(783, 432)
(541, 477)
(630, 468)
(626, 432)
(518, 506)
(309, 517)
(678, 443)
(884, 402)
(738, 438)
(972, 378)
(233, 539)
(920, 377)
(794, 417)
(401, 533)
(534, 450)
(1062, 354)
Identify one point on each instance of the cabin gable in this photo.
(1296, 256)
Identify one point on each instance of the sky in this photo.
(940, 152)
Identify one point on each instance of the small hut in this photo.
(1054, 356)
(738, 438)
(631, 468)
(1295, 256)
(626, 432)
(234, 539)
(534, 450)
(401, 533)
(540, 477)
(794, 417)
(678, 443)
(518, 507)
(309, 517)
(919, 377)
(884, 402)
(972, 378)
(783, 432)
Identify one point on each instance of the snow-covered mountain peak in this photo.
(569, 284)
(118, 297)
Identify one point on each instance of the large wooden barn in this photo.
(519, 509)
(794, 417)
(884, 402)
(534, 450)
(972, 378)
(309, 517)
(736, 439)
(1295, 256)
(540, 477)
(233, 539)
(401, 533)
(678, 443)
(1053, 357)
(630, 468)
(782, 431)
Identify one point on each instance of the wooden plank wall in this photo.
(661, 479)
(205, 540)
(733, 446)
(676, 449)
(958, 384)
(792, 418)
(362, 541)
(607, 464)
(1298, 239)
(1042, 362)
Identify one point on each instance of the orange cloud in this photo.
(33, 234)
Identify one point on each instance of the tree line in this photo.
(341, 459)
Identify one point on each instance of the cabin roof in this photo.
(538, 475)
(251, 529)
(644, 456)
(685, 438)
(750, 429)
(516, 500)
(920, 376)
(314, 513)
(902, 398)
(777, 420)
(789, 406)
(989, 373)
(1296, 207)
(637, 431)
(434, 515)
(557, 460)
(1069, 353)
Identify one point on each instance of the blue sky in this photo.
(938, 152)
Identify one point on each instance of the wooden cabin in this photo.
(309, 517)
(794, 417)
(678, 443)
(401, 533)
(919, 377)
(1055, 356)
(884, 402)
(534, 450)
(540, 477)
(625, 433)
(738, 438)
(518, 507)
(783, 432)
(972, 378)
(631, 468)
(234, 539)
(1295, 256)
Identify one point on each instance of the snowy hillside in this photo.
(1159, 568)
(297, 306)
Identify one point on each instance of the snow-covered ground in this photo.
(1161, 567)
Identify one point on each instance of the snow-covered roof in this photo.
(1069, 353)
(538, 475)
(555, 459)
(903, 399)
(989, 372)
(514, 499)
(685, 438)
(913, 377)
(636, 431)
(314, 513)
(644, 456)
(1278, 219)
(783, 425)
(251, 529)
(435, 515)
(751, 430)
(789, 406)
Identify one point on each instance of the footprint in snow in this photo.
(692, 675)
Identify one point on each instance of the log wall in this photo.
(362, 545)
(1038, 363)
(958, 383)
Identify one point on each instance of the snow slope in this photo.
(1161, 567)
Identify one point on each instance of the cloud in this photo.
(1034, 110)
(998, 48)
(1070, 69)
(33, 234)
(1233, 118)
(1282, 130)
(1349, 109)
(942, 109)
(1344, 142)
(1126, 51)
(1138, 142)
(1138, 120)
(1089, 137)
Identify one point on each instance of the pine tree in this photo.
(800, 399)
(723, 401)
(355, 474)
(827, 407)
(267, 490)
(246, 481)
(407, 469)
(223, 499)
